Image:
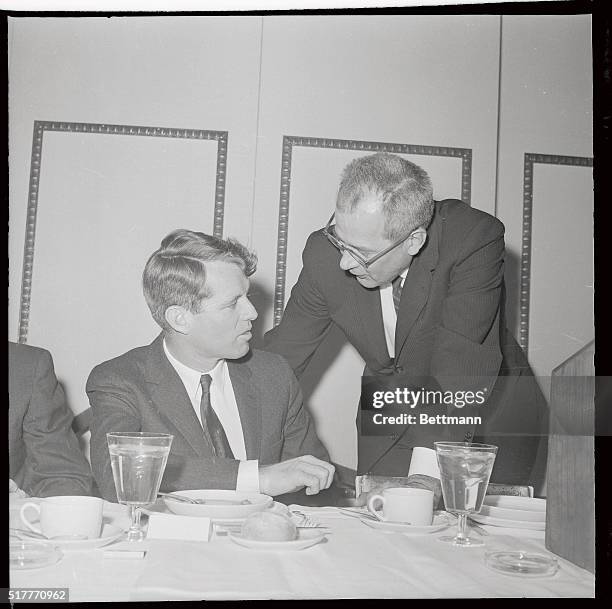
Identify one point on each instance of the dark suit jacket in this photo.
(44, 455)
(141, 391)
(450, 330)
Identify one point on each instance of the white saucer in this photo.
(306, 539)
(440, 521)
(109, 533)
(511, 524)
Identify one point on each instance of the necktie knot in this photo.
(205, 381)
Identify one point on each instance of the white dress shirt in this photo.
(423, 459)
(223, 402)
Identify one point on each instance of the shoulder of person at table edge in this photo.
(44, 454)
(449, 327)
(196, 287)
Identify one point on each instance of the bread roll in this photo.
(268, 526)
(279, 508)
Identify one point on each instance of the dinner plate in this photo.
(510, 514)
(162, 507)
(257, 503)
(511, 524)
(514, 509)
(109, 534)
(306, 539)
(523, 504)
(440, 521)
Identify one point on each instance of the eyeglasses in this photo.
(330, 233)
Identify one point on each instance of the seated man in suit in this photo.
(236, 415)
(44, 455)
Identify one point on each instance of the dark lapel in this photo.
(249, 406)
(170, 398)
(416, 286)
(367, 304)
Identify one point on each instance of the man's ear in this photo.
(416, 241)
(178, 318)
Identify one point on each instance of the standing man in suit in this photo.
(417, 288)
(236, 415)
(44, 455)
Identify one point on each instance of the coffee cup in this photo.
(407, 505)
(66, 516)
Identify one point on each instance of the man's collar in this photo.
(187, 372)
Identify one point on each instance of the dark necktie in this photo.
(397, 292)
(211, 423)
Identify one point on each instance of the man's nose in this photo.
(250, 312)
(347, 262)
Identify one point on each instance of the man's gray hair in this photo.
(403, 188)
(175, 274)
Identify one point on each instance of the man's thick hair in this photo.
(175, 274)
(404, 189)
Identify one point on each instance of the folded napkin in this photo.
(15, 491)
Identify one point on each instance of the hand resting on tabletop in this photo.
(295, 474)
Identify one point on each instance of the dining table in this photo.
(352, 560)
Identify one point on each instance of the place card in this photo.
(134, 555)
(173, 526)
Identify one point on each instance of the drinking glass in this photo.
(138, 461)
(464, 474)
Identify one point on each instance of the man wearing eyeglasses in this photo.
(417, 288)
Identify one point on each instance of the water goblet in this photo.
(465, 469)
(138, 461)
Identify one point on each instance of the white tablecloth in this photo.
(355, 561)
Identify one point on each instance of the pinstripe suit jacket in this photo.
(450, 331)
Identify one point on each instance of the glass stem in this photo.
(135, 532)
(462, 527)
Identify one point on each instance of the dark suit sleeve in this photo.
(55, 464)
(115, 407)
(300, 436)
(467, 342)
(111, 411)
(306, 320)
(467, 353)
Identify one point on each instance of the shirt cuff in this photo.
(248, 476)
(424, 461)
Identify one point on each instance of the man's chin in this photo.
(367, 282)
(241, 351)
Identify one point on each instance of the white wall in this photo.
(183, 72)
(546, 108)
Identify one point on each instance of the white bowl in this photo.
(211, 509)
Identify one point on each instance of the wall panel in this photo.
(546, 110)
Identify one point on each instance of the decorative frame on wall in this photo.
(530, 160)
(100, 128)
(289, 141)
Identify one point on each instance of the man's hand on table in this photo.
(415, 481)
(295, 474)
